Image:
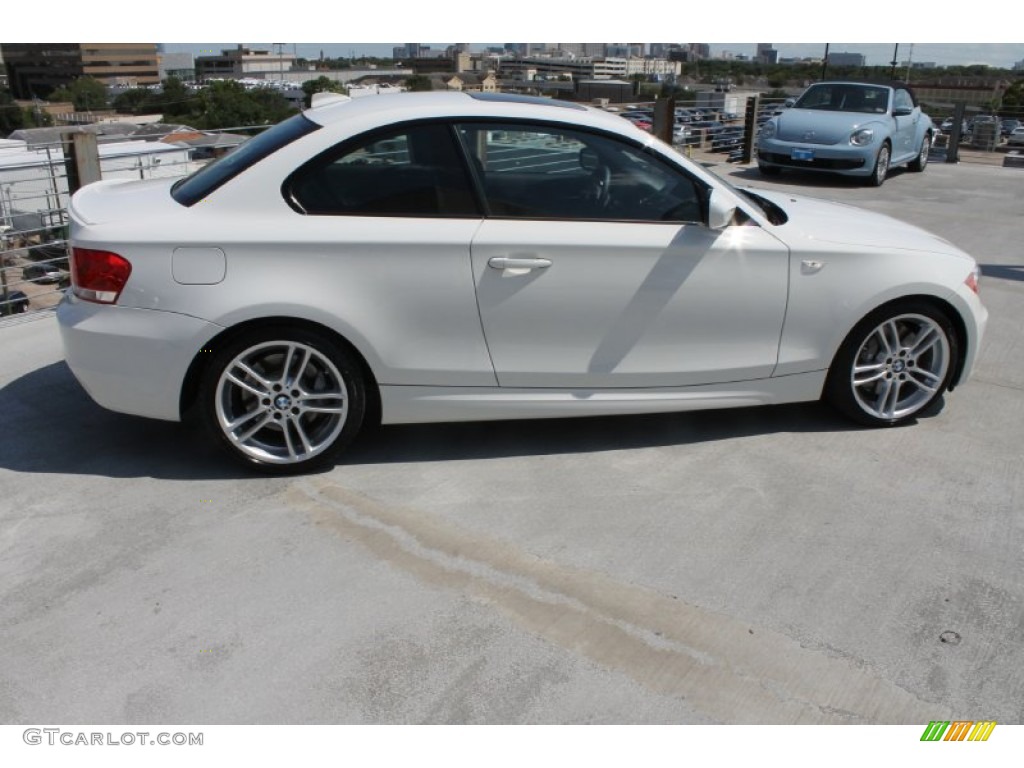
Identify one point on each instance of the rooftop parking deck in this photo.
(747, 566)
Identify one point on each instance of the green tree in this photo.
(418, 83)
(130, 102)
(174, 100)
(320, 85)
(1013, 97)
(12, 116)
(86, 93)
(228, 104)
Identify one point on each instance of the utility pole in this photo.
(824, 63)
(895, 61)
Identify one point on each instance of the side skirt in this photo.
(411, 405)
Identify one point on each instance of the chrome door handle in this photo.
(512, 262)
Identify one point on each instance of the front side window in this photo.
(903, 99)
(407, 171)
(556, 172)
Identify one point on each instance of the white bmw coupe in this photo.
(446, 257)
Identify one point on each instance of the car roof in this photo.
(850, 82)
(397, 107)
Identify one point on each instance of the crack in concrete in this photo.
(666, 645)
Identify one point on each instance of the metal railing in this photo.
(34, 195)
(974, 135)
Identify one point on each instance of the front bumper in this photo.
(131, 360)
(846, 159)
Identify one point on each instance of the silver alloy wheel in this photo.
(882, 165)
(900, 366)
(922, 159)
(281, 402)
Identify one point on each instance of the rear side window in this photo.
(413, 170)
(198, 185)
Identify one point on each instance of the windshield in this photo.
(845, 97)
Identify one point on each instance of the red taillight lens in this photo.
(98, 276)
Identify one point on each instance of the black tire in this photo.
(283, 399)
(768, 170)
(920, 162)
(903, 354)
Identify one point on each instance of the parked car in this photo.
(949, 122)
(53, 253)
(1016, 137)
(854, 129)
(454, 256)
(683, 134)
(13, 303)
(43, 273)
(730, 137)
(1006, 127)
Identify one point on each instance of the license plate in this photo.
(803, 154)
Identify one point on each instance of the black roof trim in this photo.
(515, 98)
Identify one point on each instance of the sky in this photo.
(957, 37)
(992, 54)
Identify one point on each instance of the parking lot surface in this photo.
(769, 565)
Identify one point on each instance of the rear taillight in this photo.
(98, 276)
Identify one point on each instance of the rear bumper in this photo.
(131, 360)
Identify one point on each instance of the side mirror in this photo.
(902, 111)
(589, 159)
(721, 211)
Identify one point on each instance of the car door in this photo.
(389, 217)
(594, 268)
(905, 140)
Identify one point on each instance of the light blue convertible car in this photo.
(856, 129)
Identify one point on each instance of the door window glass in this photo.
(554, 172)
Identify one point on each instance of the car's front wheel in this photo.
(881, 169)
(283, 399)
(893, 365)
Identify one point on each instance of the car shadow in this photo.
(52, 426)
(799, 178)
(1003, 271)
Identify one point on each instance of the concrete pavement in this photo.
(773, 565)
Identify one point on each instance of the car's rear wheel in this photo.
(283, 399)
(918, 163)
(893, 365)
(881, 169)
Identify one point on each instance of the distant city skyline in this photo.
(1003, 55)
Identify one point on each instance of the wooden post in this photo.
(664, 118)
(750, 128)
(953, 144)
(82, 160)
